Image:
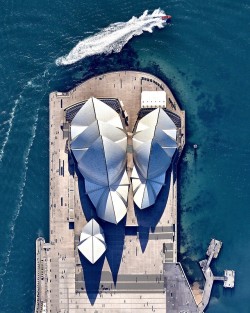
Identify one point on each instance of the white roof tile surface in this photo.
(99, 144)
(154, 145)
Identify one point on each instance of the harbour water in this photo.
(203, 56)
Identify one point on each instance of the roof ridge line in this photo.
(113, 207)
(151, 149)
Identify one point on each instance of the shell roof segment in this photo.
(91, 111)
(92, 242)
(99, 145)
(154, 145)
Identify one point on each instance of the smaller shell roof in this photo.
(146, 190)
(110, 201)
(92, 242)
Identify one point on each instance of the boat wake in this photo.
(34, 83)
(19, 203)
(10, 123)
(38, 84)
(114, 37)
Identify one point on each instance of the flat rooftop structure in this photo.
(214, 248)
(229, 276)
(153, 99)
(180, 297)
(130, 277)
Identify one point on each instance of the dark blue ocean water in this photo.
(204, 56)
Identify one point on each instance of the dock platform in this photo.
(228, 278)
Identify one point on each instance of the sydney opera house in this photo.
(98, 141)
(115, 141)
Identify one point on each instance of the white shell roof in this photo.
(91, 111)
(154, 145)
(92, 242)
(99, 145)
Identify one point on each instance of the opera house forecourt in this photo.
(115, 141)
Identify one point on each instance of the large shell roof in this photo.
(154, 144)
(92, 242)
(99, 144)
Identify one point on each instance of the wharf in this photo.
(228, 278)
(140, 280)
(41, 275)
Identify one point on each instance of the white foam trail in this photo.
(30, 84)
(20, 201)
(114, 37)
(10, 123)
(21, 188)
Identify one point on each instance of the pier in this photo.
(228, 278)
(41, 276)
